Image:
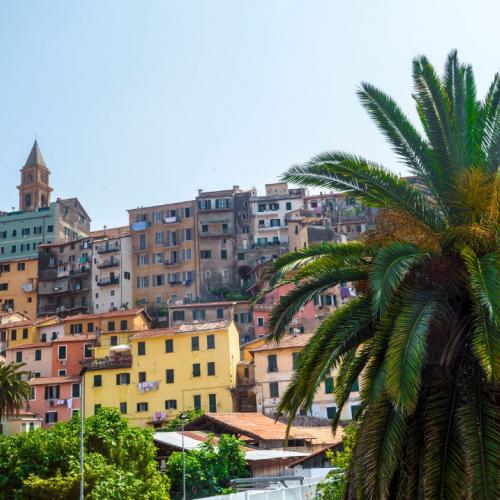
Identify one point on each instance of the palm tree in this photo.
(14, 391)
(423, 333)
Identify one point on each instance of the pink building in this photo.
(55, 399)
(308, 318)
(68, 351)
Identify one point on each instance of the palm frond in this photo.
(367, 181)
(389, 268)
(304, 292)
(407, 348)
(489, 125)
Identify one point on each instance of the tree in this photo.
(119, 461)
(424, 330)
(14, 391)
(209, 468)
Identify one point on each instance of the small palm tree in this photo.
(14, 391)
(423, 334)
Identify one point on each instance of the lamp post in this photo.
(182, 416)
(82, 401)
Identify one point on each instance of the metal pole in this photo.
(82, 404)
(183, 463)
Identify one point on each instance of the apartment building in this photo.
(274, 366)
(6, 319)
(217, 241)
(161, 372)
(18, 286)
(65, 278)
(269, 213)
(112, 284)
(238, 311)
(164, 249)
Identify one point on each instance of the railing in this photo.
(140, 225)
(108, 263)
(263, 307)
(108, 281)
(107, 363)
(171, 244)
(172, 220)
(228, 232)
(170, 263)
(107, 248)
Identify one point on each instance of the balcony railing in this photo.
(263, 307)
(141, 225)
(108, 263)
(108, 281)
(107, 248)
(172, 220)
(171, 263)
(107, 363)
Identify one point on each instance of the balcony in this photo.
(108, 263)
(171, 244)
(263, 307)
(112, 280)
(227, 232)
(267, 227)
(141, 248)
(171, 263)
(107, 363)
(107, 248)
(171, 220)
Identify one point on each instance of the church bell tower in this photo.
(34, 190)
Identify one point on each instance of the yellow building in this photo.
(28, 331)
(158, 373)
(18, 285)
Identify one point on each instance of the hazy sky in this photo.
(144, 102)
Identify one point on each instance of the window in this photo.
(187, 212)
(21, 266)
(4, 287)
(197, 402)
(143, 282)
(220, 313)
(260, 321)
(204, 228)
(142, 377)
(210, 368)
(123, 325)
(329, 385)
(295, 359)
(61, 373)
(159, 238)
(223, 254)
(272, 363)
(75, 390)
(178, 316)
(87, 351)
(51, 417)
(111, 326)
(123, 407)
(331, 411)
(13, 335)
(212, 403)
(158, 258)
(288, 205)
(38, 354)
(113, 340)
(122, 378)
(76, 328)
(211, 341)
(90, 327)
(61, 352)
(195, 343)
(188, 234)
(126, 275)
(274, 390)
(206, 254)
(275, 223)
(196, 370)
(51, 392)
(171, 404)
(158, 280)
(169, 345)
(262, 207)
(241, 256)
(50, 228)
(169, 376)
(19, 356)
(188, 255)
(97, 380)
(199, 314)
(141, 348)
(97, 407)
(355, 386)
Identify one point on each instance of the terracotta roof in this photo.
(205, 304)
(202, 327)
(28, 346)
(299, 340)
(111, 232)
(54, 380)
(40, 321)
(76, 338)
(111, 314)
(317, 452)
(187, 328)
(323, 435)
(24, 322)
(255, 425)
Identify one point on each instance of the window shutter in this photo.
(46, 392)
(57, 392)
(128, 378)
(117, 379)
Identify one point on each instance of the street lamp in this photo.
(82, 399)
(183, 416)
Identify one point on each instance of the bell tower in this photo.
(34, 190)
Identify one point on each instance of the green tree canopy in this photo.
(119, 461)
(14, 391)
(424, 331)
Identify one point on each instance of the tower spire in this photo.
(35, 157)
